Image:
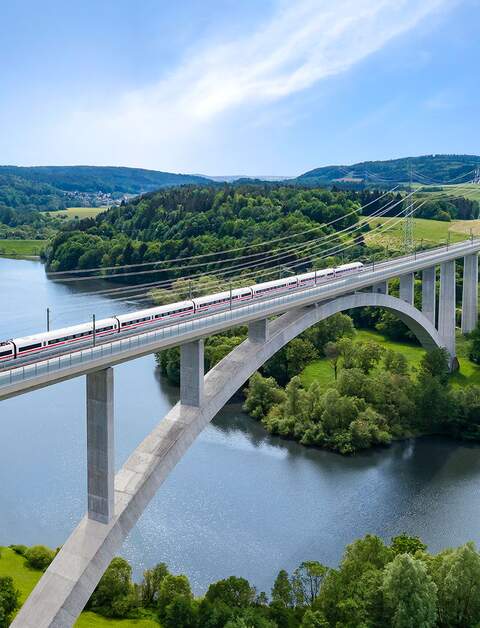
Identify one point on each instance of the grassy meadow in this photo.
(430, 231)
(321, 371)
(80, 212)
(21, 248)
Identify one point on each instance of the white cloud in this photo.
(305, 41)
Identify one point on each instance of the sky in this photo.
(258, 87)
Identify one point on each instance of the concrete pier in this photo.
(429, 293)
(100, 445)
(258, 331)
(191, 373)
(380, 288)
(446, 306)
(406, 288)
(470, 293)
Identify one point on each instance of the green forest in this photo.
(376, 585)
(192, 221)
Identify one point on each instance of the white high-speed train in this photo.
(166, 314)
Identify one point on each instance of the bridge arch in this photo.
(68, 583)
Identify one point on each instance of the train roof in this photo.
(151, 311)
(65, 331)
(275, 282)
(349, 266)
(221, 295)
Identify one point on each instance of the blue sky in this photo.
(269, 87)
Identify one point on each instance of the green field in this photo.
(430, 231)
(25, 579)
(21, 248)
(468, 190)
(321, 371)
(80, 212)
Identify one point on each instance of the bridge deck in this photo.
(56, 369)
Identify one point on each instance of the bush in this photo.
(9, 600)
(39, 557)
(19, 549)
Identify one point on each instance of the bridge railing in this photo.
(125, 345)
(117, 347)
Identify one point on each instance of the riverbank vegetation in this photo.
(398, 585)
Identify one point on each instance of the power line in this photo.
(202, 255)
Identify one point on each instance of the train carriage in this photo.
(165, 314)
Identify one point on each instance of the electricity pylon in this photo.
(408, 223)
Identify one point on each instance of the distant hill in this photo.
(101, 178)
(48, 188)
(434, 168)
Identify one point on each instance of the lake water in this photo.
(240, 502)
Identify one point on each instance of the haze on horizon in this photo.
(270, 87)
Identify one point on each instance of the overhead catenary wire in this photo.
(177, 268)
(279, 239)
(334, 250)
(213, 253)
(212, 272)
(286, 252)
(339, 248)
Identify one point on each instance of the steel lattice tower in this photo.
(408, 223)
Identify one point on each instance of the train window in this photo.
(29, 347)
(4, 353)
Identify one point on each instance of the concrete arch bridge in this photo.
(115, 503)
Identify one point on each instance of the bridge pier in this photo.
(429, 295)
(446, 306)
(406, 288)
(191, 373)
(380, 288)
(470, 293)
(258, 331)
(100, 446)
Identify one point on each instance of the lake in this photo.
(240, 502)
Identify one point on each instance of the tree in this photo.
(410, 593)
(395, 362)
(437, 364)
(405, 544)
(39, 557)
(150, 587)
(282, 592)
(332, 353)
(234, 592)
(306, 582)
(314, 619)
(368, 355)
(474, 338)
(299, 353)
(464, 419)
(171, 587)
(9, 600)
(348, 351)
(457, 576)
(115, 585)
(180, 613)
(262, 394)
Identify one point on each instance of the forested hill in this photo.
(48, 188)
(192, 220)
(433, 168)
(104, 178)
